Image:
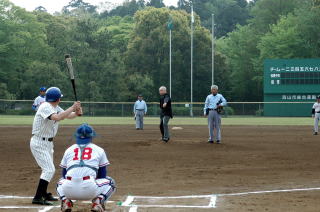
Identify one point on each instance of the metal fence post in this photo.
(121, 110)
(242, 108)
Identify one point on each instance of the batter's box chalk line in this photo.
(212, 198)
(40, 208)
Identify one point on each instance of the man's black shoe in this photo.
(210, 142)
(166, 140)
(41, 201)
(50, 197)
(218, 142)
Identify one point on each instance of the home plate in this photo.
(177, 128)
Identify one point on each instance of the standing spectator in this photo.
(316, 115)
(212, 107)
(165, 114)
(139, 110)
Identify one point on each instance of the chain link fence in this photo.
(122, 109)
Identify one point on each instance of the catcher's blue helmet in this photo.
(53, 94)
(43, 89)
(84, 134)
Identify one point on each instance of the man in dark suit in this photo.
(165, 114)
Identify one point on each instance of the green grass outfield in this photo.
(27, 120)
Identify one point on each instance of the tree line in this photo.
(122, 52)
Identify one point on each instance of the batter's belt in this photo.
(44, 139)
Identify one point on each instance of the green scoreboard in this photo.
(290, 80)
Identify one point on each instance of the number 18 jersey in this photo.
(92, 155)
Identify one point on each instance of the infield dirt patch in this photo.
(250, 158)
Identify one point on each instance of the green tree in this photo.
(148, 52)
(128, 8)
(294, 36)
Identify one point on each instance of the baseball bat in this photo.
(71, 74)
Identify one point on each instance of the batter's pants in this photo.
(42, 151)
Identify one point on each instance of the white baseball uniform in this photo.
(38, 101)
(41, 144)
(80, 182)
(316, 107)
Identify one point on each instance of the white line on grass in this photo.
(175, 197)
(13, 197)
(128, 201)
(48, 208)
(133, 209)
(19, 207)
(170, 206)
(213, 201)
(271, 191)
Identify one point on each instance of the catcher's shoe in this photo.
(97, 205)
(66, 205)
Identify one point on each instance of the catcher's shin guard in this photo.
(97, 205)
(66, 205)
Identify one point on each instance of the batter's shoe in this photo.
(218, 142)
(97, 205)
(50, 197)
(315, 133)
(41, 201)
(210, 142)
(66, 205)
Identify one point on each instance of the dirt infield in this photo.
(251, 158)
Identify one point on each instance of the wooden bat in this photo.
(71, 74)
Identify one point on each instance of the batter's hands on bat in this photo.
(76, 105)
(79, 111)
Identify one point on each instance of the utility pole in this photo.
(212, 49)
(170, 27)
(170, 55)
(191, 67)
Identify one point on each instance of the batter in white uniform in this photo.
(84, 173)
(44, 129)
(316, 115)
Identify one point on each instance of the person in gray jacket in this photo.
(139, 109)
(212, 107)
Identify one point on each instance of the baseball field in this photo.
(263, 164)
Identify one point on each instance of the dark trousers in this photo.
(164, 128)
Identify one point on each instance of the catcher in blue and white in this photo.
(84, 173)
